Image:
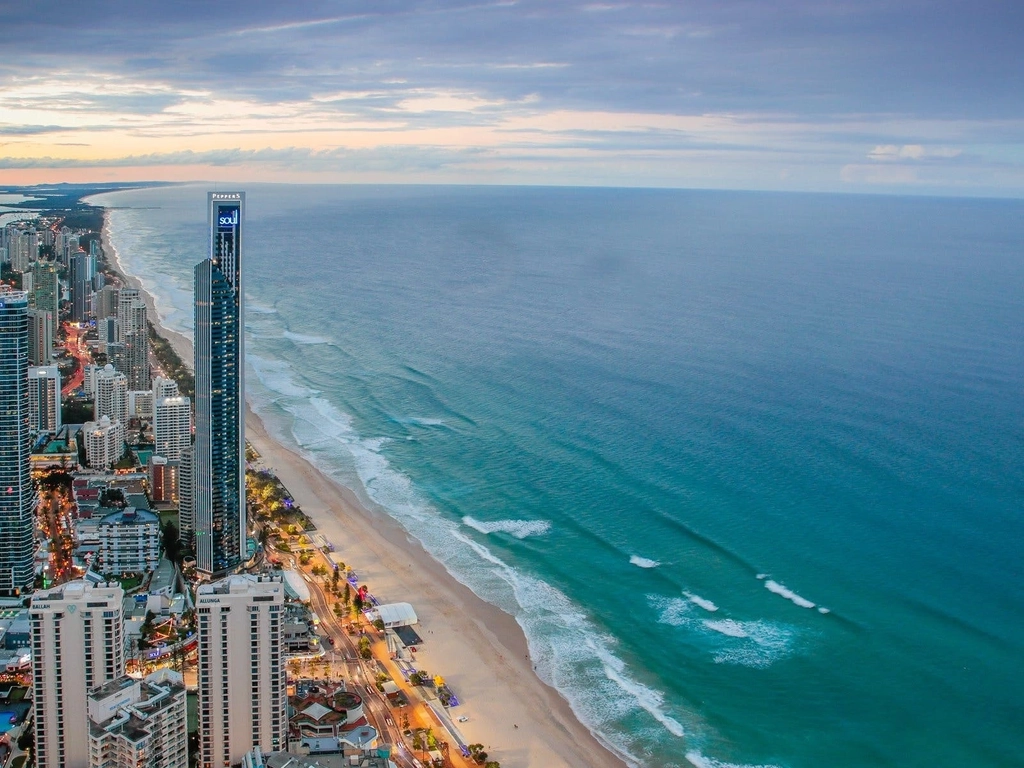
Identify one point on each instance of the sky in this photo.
(824, 95)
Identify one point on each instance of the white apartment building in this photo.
(129, 542)
(164, 387)
(77, 644)
(172, 426)
(242, 688)
(139, 723)
(104, 442)
(140, 404)
(111, 395)
(44, 398)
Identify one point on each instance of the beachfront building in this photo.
(45, 294)
(106, 303)
(77, 645)
(128, 542)
(133, 332)
(219, 518)
(139, 723)
(111, 393)
(44, 398)
(17, 503)
(104, 442)
(242, 689)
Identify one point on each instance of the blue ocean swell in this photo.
(820, 390)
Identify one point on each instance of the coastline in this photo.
(480, 649)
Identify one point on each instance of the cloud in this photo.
(892, 152)
(389, 158)
(752, 88)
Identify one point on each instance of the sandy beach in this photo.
(479, 649)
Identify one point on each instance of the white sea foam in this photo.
(757, 643)
(823, 609)
(275, 376)
(568, 649)
(704, 603)
(701, 761)
(518, 528)
(643, 562)
(782, 591)
(302, 338)
(253, 308)
(727, 627)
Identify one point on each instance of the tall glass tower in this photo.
(219, 517)
(17, 496)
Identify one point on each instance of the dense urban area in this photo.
(144, 620)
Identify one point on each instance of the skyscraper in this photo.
(242, 695)
(45, 288)
(219, 460)
(17, 501)
(83, 269)
(111, 395)
(172, 426)
(77, 644)
(40, 337)
(133, 332)
(44, 398)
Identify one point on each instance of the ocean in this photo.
(746, 467)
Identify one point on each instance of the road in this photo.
(376, 707)
(76, 347)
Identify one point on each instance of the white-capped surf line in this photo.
(704, 603)
(782, 591)
(700, 761)
(643, 562)
(756, 643)
(568, 649)
(520, 529)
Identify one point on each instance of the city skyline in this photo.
(859, 97)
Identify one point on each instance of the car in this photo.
(463, 719)
(330, 641)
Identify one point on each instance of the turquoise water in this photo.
(746, 467)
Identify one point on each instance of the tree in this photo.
(347, 597)
(364, 648)
(171, 541)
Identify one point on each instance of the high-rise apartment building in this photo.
(104, 442)
(111, 392)
(172, 426)
(219, 461)
(45, 288)
(77, 645)
(139, 723)
(242, 688)
(133, 332)
(106, 302)
(44, 398)
(40, 337)
(186, 496)
(17, 501)
(83, 269)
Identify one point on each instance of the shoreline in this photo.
(481, 650)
